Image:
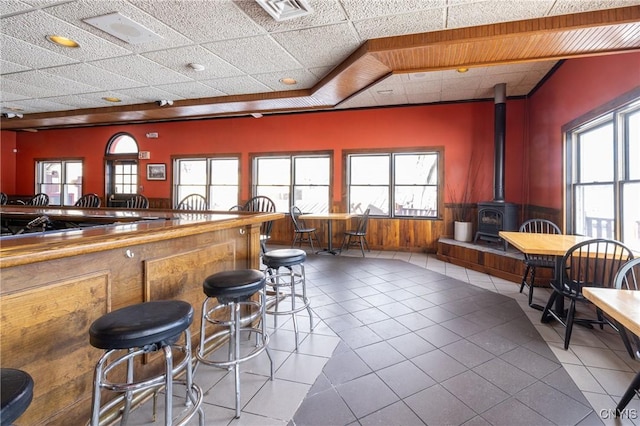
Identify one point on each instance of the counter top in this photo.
(122, 228)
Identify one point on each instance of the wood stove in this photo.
(494, 217)
(497, 215)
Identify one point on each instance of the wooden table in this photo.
(329, 217)
(624, 307)
(545, 244)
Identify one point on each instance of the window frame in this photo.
(392, 153)
(208, 184)
(291, 156)
(63, 185)
(615, 113)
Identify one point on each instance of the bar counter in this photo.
(54, 284)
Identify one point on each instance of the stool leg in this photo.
(304, 296)
(97, 379)
(265, 336)
(168, 397)
(236, 355)
(128, 399)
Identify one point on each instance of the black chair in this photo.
(358, 236)
(302, 232)
(591, 263)
(88, 201)
(535, 261)
(138, 202)
(263, 204)
(16, 389)
(193, 202)
(236, 208)
(4, 199)
(40, 199)
(131, 333)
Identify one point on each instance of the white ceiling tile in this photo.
(30, 106)
(30, 55)
(34, 27)
(254, 55)
(472, 14)
(142, 70)
(75, 13)
(456, 95)
(363, 99)
(424, 98)
(49, 81)
(238, 85)
(29, 84)
(13, 6)
(148, 94)
(387, 26)
(191, 90)
(125, 99)
(562, 7)
(202, 20)
(178, 60)
(304, 78)
(510, 79)
(317, 47)
(358, 9)
(92, 75)
(7, 67)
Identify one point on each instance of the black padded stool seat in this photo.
(156, 322)
(17, 392)
(283, 258)
(233, 285)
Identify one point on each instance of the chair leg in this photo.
(532, 284)
(569, 323)
(362, 245)
(625, 339)
(634, 387)
(524, 278)
(547, 308)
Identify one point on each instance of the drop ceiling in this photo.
(344, 54)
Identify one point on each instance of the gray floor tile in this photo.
(474, 391)
(322, 409)
(359, 337)
(505, 376)
(530, 362)
(405, 378)
(411, 345)
(438, 335)
(379, 355)
(345, 366)
(553, 404)
(467, 353)
(514, 413)
(397, 414)
(389, 328)
(437, 406)
(439, 365)
(366, 394)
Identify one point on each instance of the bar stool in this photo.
(138, 330)
(233, 291)
(16, 389)
(284, 282)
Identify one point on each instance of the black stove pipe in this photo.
(500, 126)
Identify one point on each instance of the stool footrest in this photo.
(206, 349)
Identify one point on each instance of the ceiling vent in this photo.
(123, 28)
(281, 10)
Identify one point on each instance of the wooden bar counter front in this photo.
(55, 284)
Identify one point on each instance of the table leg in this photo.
(558, 306)
(329, 248)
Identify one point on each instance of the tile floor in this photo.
(405, 339)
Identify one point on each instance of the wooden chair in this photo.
(88, 201)
(358, 236)
(40, 199)
(302, 232)
(534, 261)
(263, 204)
(138, 202)
(193, 202)
(591, 263)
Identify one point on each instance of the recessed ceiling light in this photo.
(281, 10)
(63, 41)
(462, 70)
(123, 28)
(111, 99)
(385, 92)
(288, 81)
(256, 115)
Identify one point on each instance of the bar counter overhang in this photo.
(55, 284)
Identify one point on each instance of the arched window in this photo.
(122, 143)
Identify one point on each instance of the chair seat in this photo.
(283, 257)
(303, 230)
(234, 285)
(16, 390)
(156, 322)
(540, 263)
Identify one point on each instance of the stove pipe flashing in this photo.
(500, 125)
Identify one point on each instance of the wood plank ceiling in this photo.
(550, 38)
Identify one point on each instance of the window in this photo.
(603, 163)
(216, 179)
(61, 180)
(397, 184)
(301, 180)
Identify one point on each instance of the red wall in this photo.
(577, 87)
(7, 162)
(456, 127)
